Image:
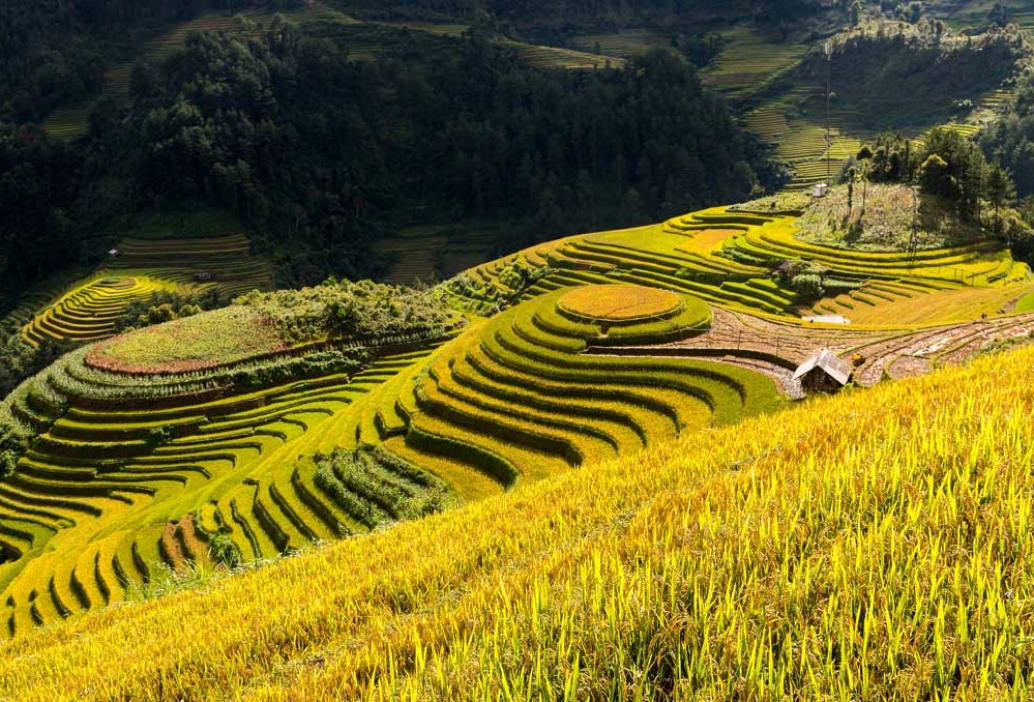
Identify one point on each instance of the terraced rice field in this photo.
(727, 258)
(625, 44)
(89, 311)
(415, 258)
(872, 545)
(748, 60)
(554, 57)
(800, 141)
(132, 475)
(514, 399)
(619, 341)
(680, 255)
(68, 122)
(226, 260)
(441, 29)
(429, 253)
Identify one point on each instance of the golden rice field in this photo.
(155, 449)
(620, 303)
(727, 257)
(875, 545)
(178, 448)
(141, 459)
(89, 312)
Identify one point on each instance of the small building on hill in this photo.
(823, 372)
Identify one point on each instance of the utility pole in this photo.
(828, 49)
(913, 244)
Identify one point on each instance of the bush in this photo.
(808, 286)
(222, 549)
(347, 310)
(165, 306)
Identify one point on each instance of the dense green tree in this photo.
(316, 152)
(864, 158)
(1001, 192)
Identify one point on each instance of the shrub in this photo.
(808, 286)
(347, 310)
(222, 549)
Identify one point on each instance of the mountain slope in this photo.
(849, 545)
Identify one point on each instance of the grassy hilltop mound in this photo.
(845, 547)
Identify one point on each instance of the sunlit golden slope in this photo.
(876, 545)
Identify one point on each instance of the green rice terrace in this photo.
(89, 310)
(293, 417)
(132, 454)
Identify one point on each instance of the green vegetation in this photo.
(197, 440)
(1008, 140)
(364, 146)
(348, 311)
(875, 71)
(882, 74)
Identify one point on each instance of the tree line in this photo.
(953, 168)
(318, 153)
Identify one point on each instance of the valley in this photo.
(517, 350)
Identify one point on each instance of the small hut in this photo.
(823, 372)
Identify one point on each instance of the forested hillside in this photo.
(315, 151)
(897, 75)
(532, 12)
(53, 51)
(1010, 140)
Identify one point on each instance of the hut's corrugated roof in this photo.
(835, 367)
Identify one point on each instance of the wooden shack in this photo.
(823, 372)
